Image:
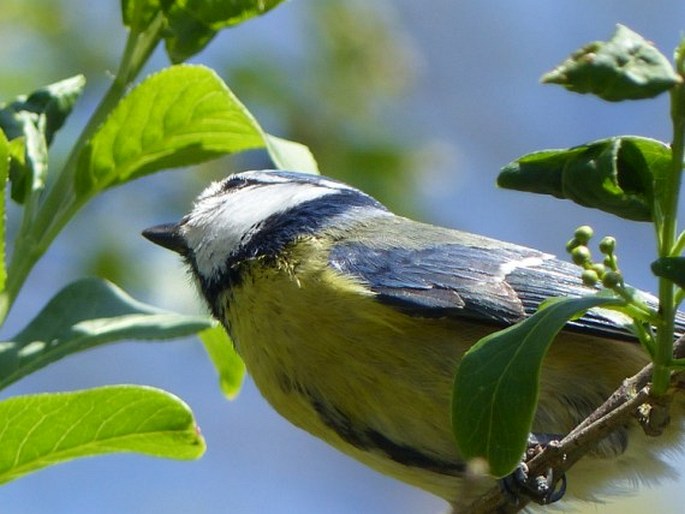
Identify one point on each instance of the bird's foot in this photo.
(539, 488)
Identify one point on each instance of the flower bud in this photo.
(583, 234)
(589, 277)
(607, 245)
(581, 255)
(612, 279)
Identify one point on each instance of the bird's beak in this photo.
(169, 236)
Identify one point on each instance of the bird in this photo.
(351, 320)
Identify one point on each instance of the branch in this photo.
(631, 399)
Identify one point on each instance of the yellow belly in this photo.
(376, 383)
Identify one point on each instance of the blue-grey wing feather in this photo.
(481, 280)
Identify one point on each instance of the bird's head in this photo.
(257, 213)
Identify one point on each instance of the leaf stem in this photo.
(679, 244)
(667, 190)
(61, 203)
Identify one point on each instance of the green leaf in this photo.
(627, 67)
(289, 155)
(672, 268)
(497, 384)
(85, 314)
(51, 106)
(614, 175)
(4, 175)
(39, 430)
(30, 123)
(194, 23)
(28, 159)
(138, 14)
(182, 115)
(227, 362)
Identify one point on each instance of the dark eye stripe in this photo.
(233, 183)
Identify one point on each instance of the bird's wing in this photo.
(481, 280)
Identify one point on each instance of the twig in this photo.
(631, 399)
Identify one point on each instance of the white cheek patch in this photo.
(221, 223)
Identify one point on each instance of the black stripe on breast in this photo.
(371, 440)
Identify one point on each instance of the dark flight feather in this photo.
(455, 280)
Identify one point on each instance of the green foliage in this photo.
(193, 23)
(290, 155)
(30, 123)
(50, 105)
(627, 67)
(181, 115)
(636, 178)
(138, 15)
(85, 314)
(226, 361)
(4, 175)
(189, 25)
(497, 384)
(671, 268)
(614, 174)
(44, 429)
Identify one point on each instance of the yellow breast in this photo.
(376, 383)
(332, 360)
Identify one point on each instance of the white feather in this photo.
(220, 223)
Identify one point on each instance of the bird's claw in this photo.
(539, 489)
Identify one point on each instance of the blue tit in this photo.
(351, 321)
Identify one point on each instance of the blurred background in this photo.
(418, 104)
